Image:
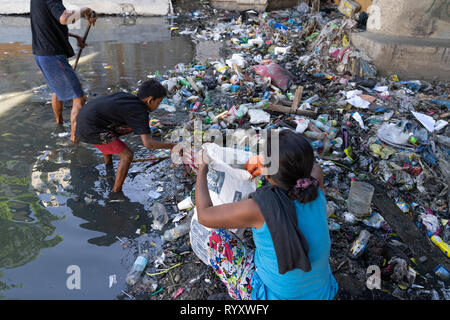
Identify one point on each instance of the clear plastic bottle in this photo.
(360, 244)
(360, 198)
(176, 232)
(138, 267)
(314, 135)
(160, 216)
(322, 126)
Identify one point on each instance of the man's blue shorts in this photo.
(60, 76)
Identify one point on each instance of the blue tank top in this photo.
(318, 284)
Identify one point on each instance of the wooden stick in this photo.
(283, 109)
(92, 15)
(150, 159)
(297, 98)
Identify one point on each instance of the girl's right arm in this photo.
(241, 214)
(317, 174)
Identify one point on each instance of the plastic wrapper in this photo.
(280, 77)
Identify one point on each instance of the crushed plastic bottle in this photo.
(360, 244)
(176, 232)
(160, 217)
(360, 198)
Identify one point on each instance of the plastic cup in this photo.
(360, 198)
(186, 204)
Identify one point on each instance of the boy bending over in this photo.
(103, 120)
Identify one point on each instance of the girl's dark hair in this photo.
(296, 161)
(152, 88)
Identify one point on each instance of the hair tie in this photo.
(304, 183)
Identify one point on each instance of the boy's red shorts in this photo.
(115, 147)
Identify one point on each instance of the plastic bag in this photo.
(258, 116)
(394, 135)
(281, 77)
(238, 60)
(227, 182)
(303, 8)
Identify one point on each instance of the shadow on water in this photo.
(56, 208)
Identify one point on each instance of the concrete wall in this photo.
(139, 7)
(408, 37)
(410, 18)
(410, 58)
(259, 5)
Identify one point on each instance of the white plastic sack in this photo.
(227, 183)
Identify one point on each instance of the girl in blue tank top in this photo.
(289, 225)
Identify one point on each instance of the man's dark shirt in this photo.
(102, 120)
(50, 37)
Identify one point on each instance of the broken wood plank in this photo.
(404, 226)
(315, 5)
(297, 98)
(283, 109)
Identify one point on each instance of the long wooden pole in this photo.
(92, 15)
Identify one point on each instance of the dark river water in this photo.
(56, 209)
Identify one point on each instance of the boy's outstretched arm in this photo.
(149, 143)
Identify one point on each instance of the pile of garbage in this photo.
(297, 69)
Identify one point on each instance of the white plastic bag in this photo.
(258, 116)
(227, 182)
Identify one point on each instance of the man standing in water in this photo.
(103, 120)
(51, 50)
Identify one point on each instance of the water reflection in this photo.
(51, 191)
(129, 49)
(111, 214)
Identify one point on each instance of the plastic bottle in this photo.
(241, 112)
(360, 198)
(316, 144)
(207, 100)
(445, 248)
(333, 133)
(322, 126)
(337, 143)
(263, 104)
(333, 226)
(314, 135)
(176, 232)
(136, 270)
(222, 68)
(442, 272)
(360, 244)
(184, 82)
(212, 116)
(160, 216)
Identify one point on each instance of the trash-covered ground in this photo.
(389, 132)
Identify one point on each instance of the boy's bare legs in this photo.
(108, 158)
(57, 107)
(126, 156)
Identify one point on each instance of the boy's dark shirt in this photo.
(50, 37)
(102, 120)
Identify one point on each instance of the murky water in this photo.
(56, 209)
